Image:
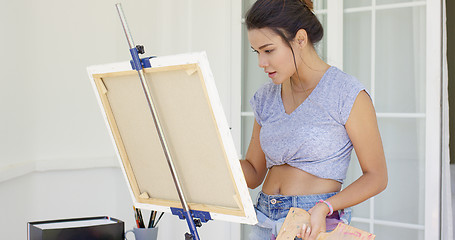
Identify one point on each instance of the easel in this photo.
(138, 65)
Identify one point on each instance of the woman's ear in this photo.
(301, 37)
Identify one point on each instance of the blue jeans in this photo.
(271, 211)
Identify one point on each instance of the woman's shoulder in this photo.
(341, 79)
(340, 83)
(263, 100)
(341, 91)
(266, 90)
(267, 87)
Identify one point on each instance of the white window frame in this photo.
(433, 113)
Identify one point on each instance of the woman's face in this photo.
(274, 55)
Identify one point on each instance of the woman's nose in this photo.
(262, 62)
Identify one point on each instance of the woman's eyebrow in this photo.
(263, 46)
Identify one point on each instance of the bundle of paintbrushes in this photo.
(153, 222)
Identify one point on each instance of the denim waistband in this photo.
(277, 206)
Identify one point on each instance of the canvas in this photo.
(194, 125)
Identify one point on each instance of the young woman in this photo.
(307, 121)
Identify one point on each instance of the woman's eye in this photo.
(266, 51)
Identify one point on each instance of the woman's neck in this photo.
(309, 72)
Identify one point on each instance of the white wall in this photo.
(62, 194)
(50, 121)
(15, 124)
(82, 193)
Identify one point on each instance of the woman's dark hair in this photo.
(285, 17)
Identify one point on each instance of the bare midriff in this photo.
(287, 180)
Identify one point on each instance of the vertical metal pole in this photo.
(164, 145)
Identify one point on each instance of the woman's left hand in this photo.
(318, 217)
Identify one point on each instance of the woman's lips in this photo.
(272, 74)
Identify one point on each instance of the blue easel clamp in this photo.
(203, 216)
(139, 63)
(145, 63)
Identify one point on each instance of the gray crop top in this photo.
(313, 138)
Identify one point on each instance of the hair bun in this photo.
(308, 3)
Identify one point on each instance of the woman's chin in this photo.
(277, 81)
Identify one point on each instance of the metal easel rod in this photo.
(164, 144)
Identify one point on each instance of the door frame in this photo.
(433, 146)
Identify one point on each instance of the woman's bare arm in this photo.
(254, 166)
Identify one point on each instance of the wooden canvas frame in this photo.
(195, 126)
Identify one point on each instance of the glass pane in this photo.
(356, 3)
(321, 46)
(380, 2)
(400, 60)
(361, 210)
(357, 46)
(404, 146)
(395, 233)
(363, 226)
(246, 229)
(320, 5)
(246, 6)
(247, 130)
